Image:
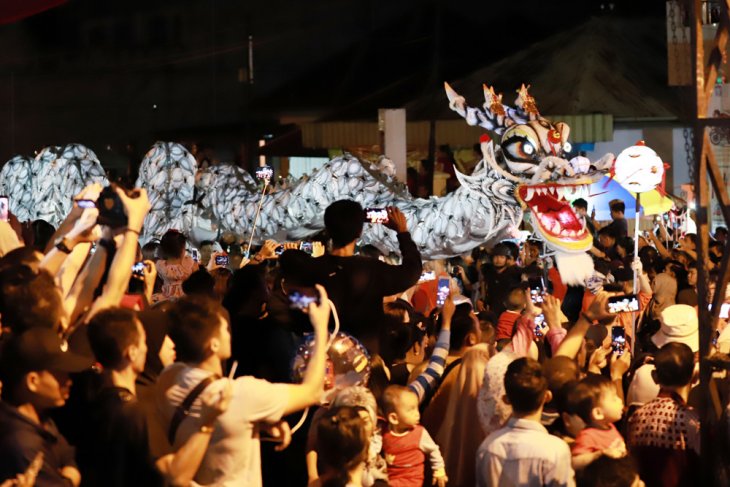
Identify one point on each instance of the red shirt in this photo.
(590, 440)
(506, 324)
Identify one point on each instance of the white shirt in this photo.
(523, 453)
(233, 457)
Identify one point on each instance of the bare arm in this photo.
(659, 246)
(574, 339)
(82, 293)
(121, 268)
(308, 392)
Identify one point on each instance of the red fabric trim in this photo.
(15, 10)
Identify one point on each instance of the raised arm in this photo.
(121, 268)
(398, 278)
(84, 230)
(598, 311)
(309, 391)
(426, 380)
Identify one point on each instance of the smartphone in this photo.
(442, 291)
(624, 303)
(138, 270)
(307, 247)
(715, 337)
(539, 321)
(195, 255)
(301, 298)
(265, 172)
(618, 339)
(4, 208)
(279, 249)
(724, 310)
(427, 276)
(376, 215)
(85, 204)
(537, 289)
(221, 260)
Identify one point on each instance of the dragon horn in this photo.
(456, 101)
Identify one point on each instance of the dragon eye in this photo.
(520, 149)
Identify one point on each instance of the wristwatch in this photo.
(62, 245)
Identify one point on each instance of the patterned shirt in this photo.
(664, 437)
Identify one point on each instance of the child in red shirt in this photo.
(515, 304)
(595, 401)
(406, 442)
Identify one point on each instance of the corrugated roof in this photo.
(607, 65)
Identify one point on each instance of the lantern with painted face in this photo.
(638, 169)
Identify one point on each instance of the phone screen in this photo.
(221, 260)
(618, 339)
(623, 304)
(4, 208)
(537, 289)
(265, 172)
(442, 291)
(306, 247)
(539, 321)
(302, 298)
(427, 276)
(195, 255)
(279, 249)
(138, 270)
(376, 215)
(85, 204)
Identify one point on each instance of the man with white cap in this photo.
(679, 324)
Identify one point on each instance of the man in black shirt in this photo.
(34, 369)
(500, 278)
(619, 227)
(357, 284)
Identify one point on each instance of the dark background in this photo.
(118, 75)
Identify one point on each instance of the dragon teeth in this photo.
(530, 194)
(556, 228)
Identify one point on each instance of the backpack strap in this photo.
(183, 410)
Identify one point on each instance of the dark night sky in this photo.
(116, 72)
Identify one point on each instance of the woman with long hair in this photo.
(175, 266)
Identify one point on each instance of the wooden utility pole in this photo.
(705, 164)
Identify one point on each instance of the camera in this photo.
(111, 209)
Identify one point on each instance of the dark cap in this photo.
(501, 249)
(41, 349)
(623, 274)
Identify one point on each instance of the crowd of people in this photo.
(170, 363)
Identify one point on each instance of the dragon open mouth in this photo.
(553, 215)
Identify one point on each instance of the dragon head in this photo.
(532, 155)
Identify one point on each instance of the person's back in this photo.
(664, 433)
(523, 452)
(120, 449)
(357, 284)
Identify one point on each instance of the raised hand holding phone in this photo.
(396, 220)
(443, 290)
(598, 309)
(620, 363)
